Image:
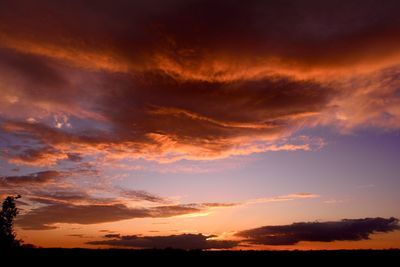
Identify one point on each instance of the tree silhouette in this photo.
(7, 215)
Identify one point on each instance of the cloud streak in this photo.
(45, 217)
(183, 241)
(281, 198)
(344, 230)
(44, 177)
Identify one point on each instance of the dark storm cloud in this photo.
(344, 230)
(45, 217)
(183, 241)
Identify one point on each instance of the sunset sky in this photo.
(202, 123)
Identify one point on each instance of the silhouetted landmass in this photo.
(193, 257)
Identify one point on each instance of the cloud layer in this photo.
(66, 204)
(161, 86)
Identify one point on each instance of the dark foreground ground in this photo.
(59, 257)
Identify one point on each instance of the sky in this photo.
(200, 124)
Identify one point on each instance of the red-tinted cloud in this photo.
(191, 80)
(83, 82)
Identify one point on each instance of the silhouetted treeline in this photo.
(7, 215)
(196, 257)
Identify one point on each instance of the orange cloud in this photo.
(164, 87)
(83, 58)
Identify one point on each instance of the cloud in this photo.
(269, 113)
(44, 177)
(45, 217)
(52, 191)
(281, 198)
(65, 189)
(218, 205)
(79, 235)
(141, 195)
(183, 241)
(70, 90)
(68, 195)
(70, 205)
(73, 194)
(257, 38)
(344, 230)
(373, 102)
(54, 186)
(45, 156)
(112, 236)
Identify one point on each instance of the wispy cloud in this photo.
(282, 198)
